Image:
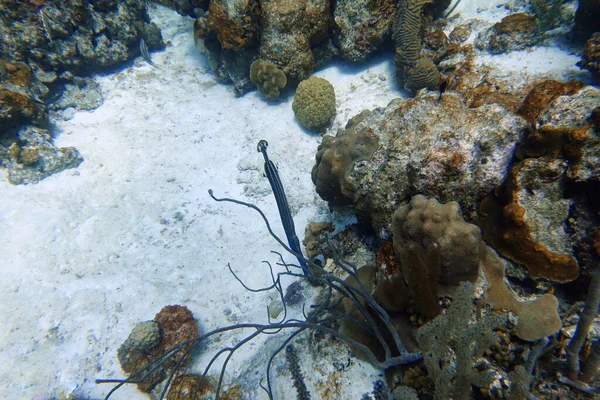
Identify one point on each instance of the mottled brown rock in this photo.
(138, 351)
(178, 325)
(474, 81)
(15, 73)
(515, 32)
(235, 23)
(543, 93)
(566, 129)
(315, 238)
(436, 44)
(591, 57)
(188, 386)
(361, 26)
(18, 93)
(460, 34)
(18, 109)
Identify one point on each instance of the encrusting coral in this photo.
(268, 78)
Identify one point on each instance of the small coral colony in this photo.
(473, 271)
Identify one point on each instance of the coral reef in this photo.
(299, 36)
(56, 38)
(268, 78)
(314, 103)
(437, 148)
(436, 249)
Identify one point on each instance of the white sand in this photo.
(88, 253)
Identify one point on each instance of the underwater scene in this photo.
(299, 199)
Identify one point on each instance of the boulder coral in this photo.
(429, 224)
(314, 103)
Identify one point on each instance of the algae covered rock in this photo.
(150, 340)
(144, 337)
(515, 32)
(34, 157)
(314, 103)
(268, 78)
(591, 57)
(442, 149)
(531, 228)
(291, 30)
(75, 36)
(362, 26)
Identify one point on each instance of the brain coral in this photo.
(314, 103)
(413, 71)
